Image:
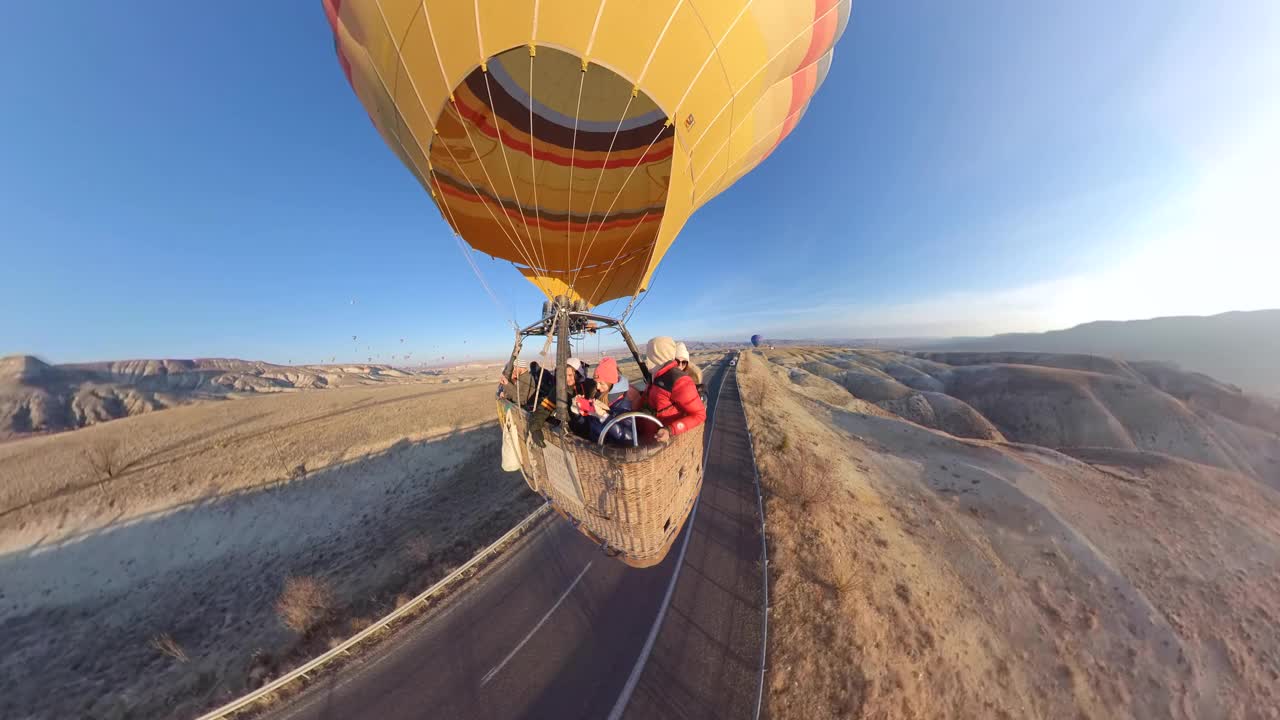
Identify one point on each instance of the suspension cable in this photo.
(423, 149)
(533, 140)
(715, 49)
(769, 62)
(497, 126)
(605, 218)
(573, 151)
(732, 160)
(635, 91)
(404, 151)
(517, 243)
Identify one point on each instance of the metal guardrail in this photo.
(764, 555)
(316, 663)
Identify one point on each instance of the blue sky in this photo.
(196, 179)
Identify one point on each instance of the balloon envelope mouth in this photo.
(560, 170)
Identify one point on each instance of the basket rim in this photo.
(568, 440)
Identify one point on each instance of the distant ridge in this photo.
(36, 397)
(1242, 348)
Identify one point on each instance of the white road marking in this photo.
(497, 668)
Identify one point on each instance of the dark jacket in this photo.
(673, 398)
(621, 433)
(539, 390)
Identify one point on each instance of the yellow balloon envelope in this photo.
(575, 137)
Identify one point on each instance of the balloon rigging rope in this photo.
(609, 211)
(533, 142)
(524, 251)
(497, 126)
(586, 225)
(733, 98)
(634, 305)
(517, 243)
(421, 148)
(573, 151)
(635, 90)
(764, 138)
(715, 49)
(442, 199)
(502, 309)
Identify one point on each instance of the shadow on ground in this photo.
(79, 615)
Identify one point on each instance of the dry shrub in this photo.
(166, 645)
(418, 549)
(843, 580)
(784, 445)
(305, 603)
(811, 481)
(105, 458)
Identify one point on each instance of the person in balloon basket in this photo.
(605, 397)
(543, 405)
(682, 357)
(672, 397)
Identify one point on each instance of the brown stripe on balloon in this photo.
(553, 215)
(516, 113)
(515, 138)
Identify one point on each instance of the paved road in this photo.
(706, 661)
(555, 629)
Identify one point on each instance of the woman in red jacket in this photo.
(672, 397)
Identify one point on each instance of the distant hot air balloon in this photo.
(755, 340)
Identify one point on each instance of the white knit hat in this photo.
(660, 351)
(682, 352)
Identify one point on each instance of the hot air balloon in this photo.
(574, 139)
(755, 340)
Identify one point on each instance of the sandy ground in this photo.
(916, 574)
(377, 491)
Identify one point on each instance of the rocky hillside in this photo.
(36, 397)
(1057, 401)
(1015, 535)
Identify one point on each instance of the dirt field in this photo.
(916, 574)
(207, 511)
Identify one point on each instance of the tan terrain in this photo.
(1015, 536)
(187, 523)
(36, 397)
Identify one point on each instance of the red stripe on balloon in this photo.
(331, 10)
(826, 20)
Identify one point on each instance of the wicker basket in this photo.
(633, 501)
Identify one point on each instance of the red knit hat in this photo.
(607, 370)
